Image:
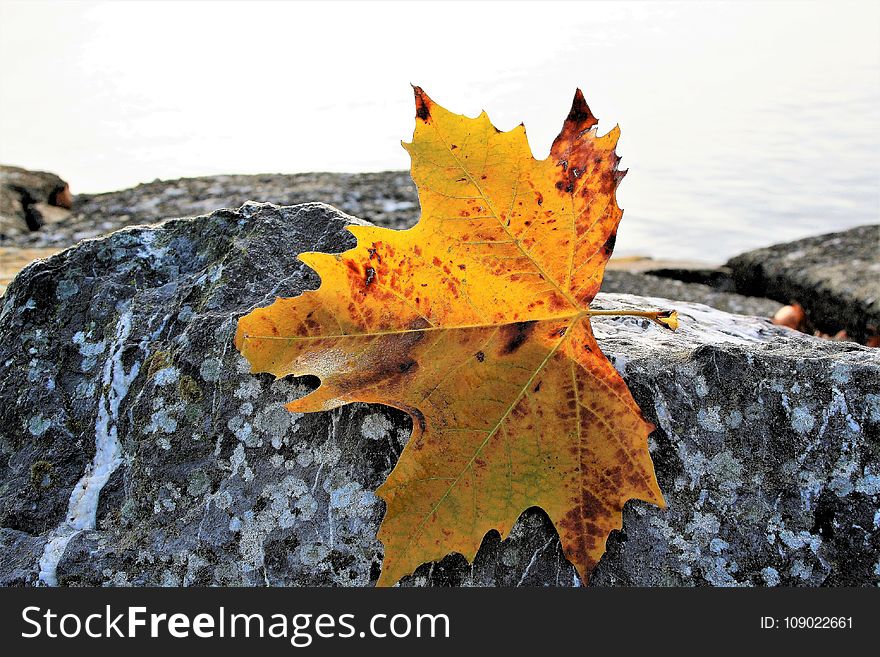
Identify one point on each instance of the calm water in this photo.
(742, 124)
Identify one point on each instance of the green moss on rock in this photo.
(189, 389)
(42, 475)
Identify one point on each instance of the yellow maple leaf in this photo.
(476, 322)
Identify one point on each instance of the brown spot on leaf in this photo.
(515, 335)
(419, 417)
(423, 104)
(591, 506)
(557, 302)
(580, 113)
(407, 366)
(608, 247)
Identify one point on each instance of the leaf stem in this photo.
(666, 318)
(626, 313)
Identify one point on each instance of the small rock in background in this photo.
(791, 316)
(29, 200)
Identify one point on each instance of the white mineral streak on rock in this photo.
(83, 506)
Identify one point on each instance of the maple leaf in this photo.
(476, 322)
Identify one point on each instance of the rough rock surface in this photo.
(835, 277)
(28, 199)
(136, 449)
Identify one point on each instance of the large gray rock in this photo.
(835, 277)
(136, 449)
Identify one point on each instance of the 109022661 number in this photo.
(817, 622)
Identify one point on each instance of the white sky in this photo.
(111, 94)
